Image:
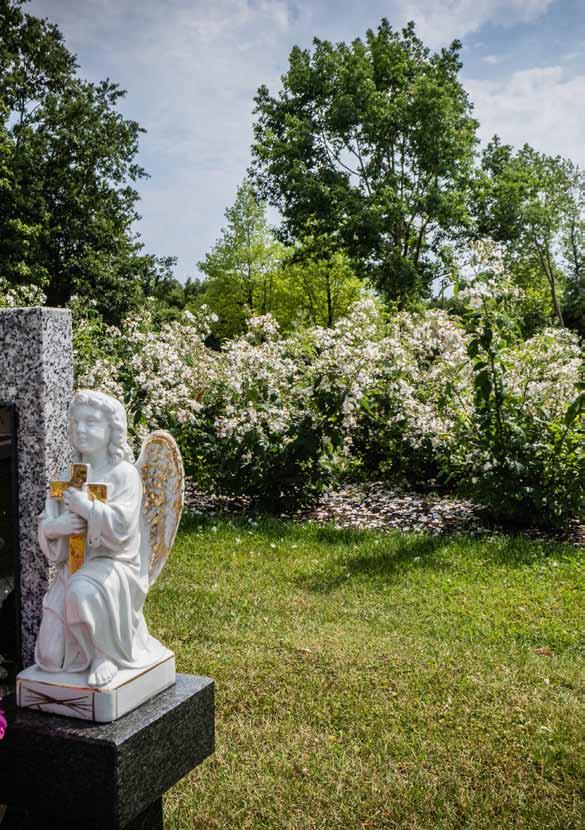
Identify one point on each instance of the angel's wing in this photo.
(163, 478)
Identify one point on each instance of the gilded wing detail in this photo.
(163, 479)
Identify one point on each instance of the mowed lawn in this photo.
(367, 680)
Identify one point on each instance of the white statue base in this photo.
(67, 693)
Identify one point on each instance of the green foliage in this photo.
(250, 273)
(90, 336)
(415, 397)
(534, 204)
(317, 285)
(574, 309)
(67, 164)
(524, 455)
(405, 431)
(242, 268)
(372, 144)
(574, 251)
(536, 308)
(277, 475)
(260, 431)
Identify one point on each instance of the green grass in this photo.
(367, 680)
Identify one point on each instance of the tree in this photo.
(371, 144)
(249, 272)
(317, 285)
(525, 200)
(573, 242)
(34, 61)
(242, 267)
(68, 159)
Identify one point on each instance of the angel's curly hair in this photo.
(119, 448)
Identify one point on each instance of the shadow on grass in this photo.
(274, 528)
(381, 554)
(396, 556)
(519, 550)
(269, 526)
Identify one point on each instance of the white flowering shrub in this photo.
(521, 451)
(263, 434)
(409, 413)
(428, 396)
(347, 363)
(161, 375)
(470, 407)
(485, 283)
(19, 296)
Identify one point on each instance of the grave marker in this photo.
(9, 587)
(55, 771)
(36, 382)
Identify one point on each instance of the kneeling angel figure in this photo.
(93, 619)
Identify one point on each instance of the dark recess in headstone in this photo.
(9, 569)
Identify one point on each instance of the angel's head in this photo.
(96, 422)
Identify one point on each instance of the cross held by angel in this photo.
(120, 524)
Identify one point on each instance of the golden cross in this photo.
(99, 492)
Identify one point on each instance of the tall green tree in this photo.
(249, 272)
(529, 201)
(370, 143)
(243, 265)
(317, 285)
(68, 159)
(573, 242)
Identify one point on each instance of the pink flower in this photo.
(3, 724)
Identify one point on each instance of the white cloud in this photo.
(438, 22)
(493, 59)
(192, 67)
(540, 106)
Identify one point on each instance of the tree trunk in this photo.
(549, 273)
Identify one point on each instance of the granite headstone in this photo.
(56, 771)
(9, 602)
(36, 383)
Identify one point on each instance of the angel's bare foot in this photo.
(102, 672)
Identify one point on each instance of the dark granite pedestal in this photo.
(66, 773)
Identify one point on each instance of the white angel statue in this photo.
(93, 617)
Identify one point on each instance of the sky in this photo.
(191, 69)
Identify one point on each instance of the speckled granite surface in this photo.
(37, 374)
(105, 775)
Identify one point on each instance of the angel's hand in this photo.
(66, 524)
(77, 502)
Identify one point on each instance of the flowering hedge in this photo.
(409, 415)
(432, 397)
(520, 449)
(12, 296)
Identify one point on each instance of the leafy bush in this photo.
(423, 396)
(13, 296)
(243, 417)
(282, 410)
(161, 374)
(263, 436)
(521, 451)
(409, 413)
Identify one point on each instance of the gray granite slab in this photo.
(37, 375)
(105, 775)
